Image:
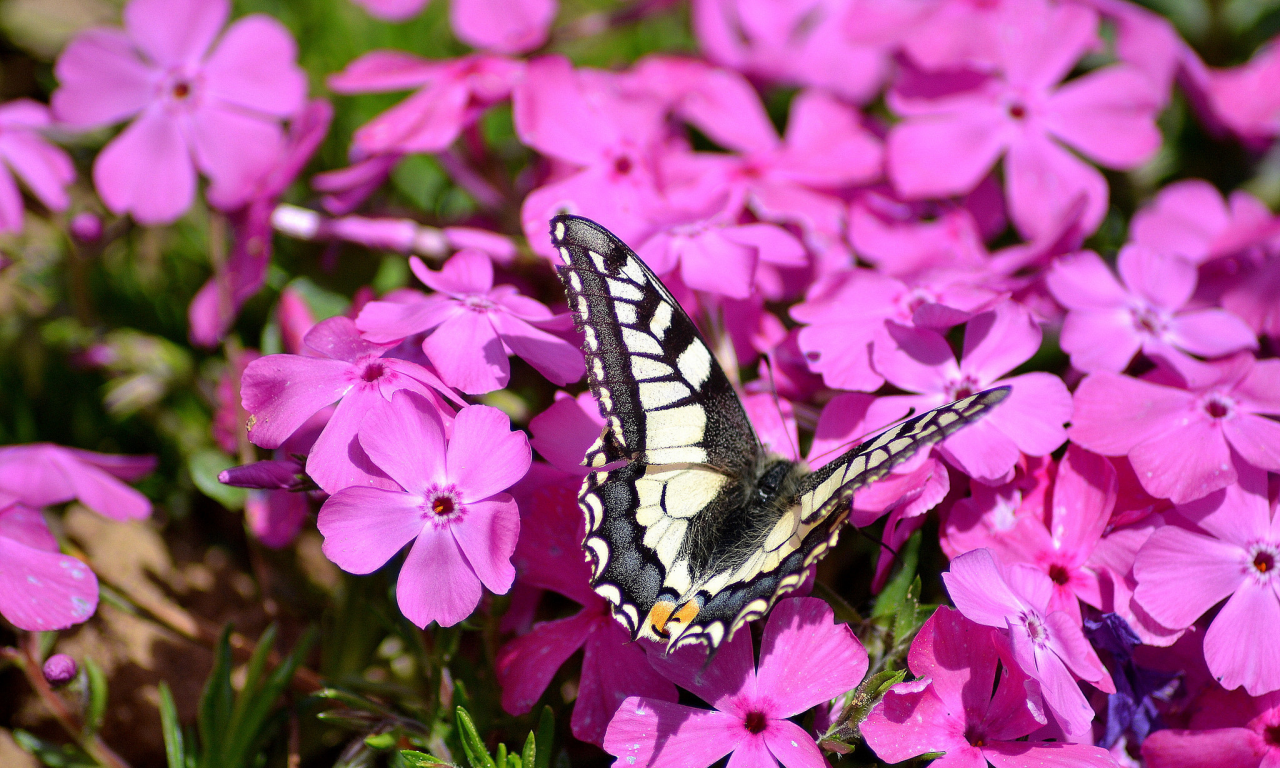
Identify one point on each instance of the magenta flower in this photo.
(1108, 322)
(949, 142)
(951, 708)
(1048, 646)
(217, 110)
(40, 589)
(449, 503)
(393, 10)
(549, 556)
(1179, 429)
(502, 26)
(45, 169)
(450, 95)
(800, 43)
(40, 474)
(565, 430)
(476, 326)
(720, 256)
(1248, 740)
(280, 392)
(1029, 421)
(805, 660)
(1182, 573)
(1242, 99)
(1192, 219)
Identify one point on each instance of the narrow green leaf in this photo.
(54, 755)
(472, 744)
(241, 731)
(408, 758)
(528, 756)
(381, 741)
(173, 747)
(97, 704)
(546, 736)
(891, 597)
(258, 712)
(216, 703)
(501, 757)
(904, 621)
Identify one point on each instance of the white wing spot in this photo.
(695, 363)
(661, 320)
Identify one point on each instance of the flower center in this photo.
(1218, 405)
(1035, 628)
(1017, 111)
(181, 90)
(477, 303)
(441, 505)
(914, 298)
(958, 390)
(975, 737)
(1271, 735)
(1147, 320)
(1059, 574)
(1263, 558)
(373, 372)
(755, 722)
(622, 166)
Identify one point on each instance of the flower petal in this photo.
(467, 352)
(647, 733)
(1183, 574)
(435, 583)
(1114, 413)
(908, 723)
(526, 665)
(997, 341)
(487, 534)
(944, 155)
(979, 590)
(799, 631)
(558, 360)
(1044, 183)
(364, 527)
(1233, 654)
(1107, 115)
(147, 170)
(174, 32)
(405, 438)
(102, 80)
(613, 668)
(254, 67)
(730, 676)
(42, 591)
(485, 456)
(280, 392)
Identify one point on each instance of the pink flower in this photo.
(450, 95)
(1248, 742)
(805, 660)
(794, 43)
(1179, 429)
(951, 708)
(476, 326)
(280, 392)
(45, 169)
(40, 589)
(40, 474)
(216, 303)
(502, 26)
(1110, 321)
(549, 556)
(1242, 99)
(949, 142)
(392, 10)
(450, 504)
(720, 256)
(216, 110)
(565, 430)
(1047, 645)
(1029, 421)
(1192, 219)
(894, 238)
(1182, 573)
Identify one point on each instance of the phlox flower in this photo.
(476, 325)
(1028, 421)
(280, 392)
(1047, 645)
(392, 10)
(1192, 218)
(450, 95)
(957, 126)
(1179, 429)
(951, 707)
(217, 110)
(45, 169)
(549, 556)
(449, 503)
(502, 26)
(1184, 572)
(564, 432)
(1057, 538)
(40, 474)
(1247, 739)
(605, 137)
(898, 242)
(720, 256)
(1243, 99)
(805, 660)
(1108, 322)
(845, 318)
(40, 589)
(795, 43)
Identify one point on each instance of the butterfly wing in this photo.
(671, 415)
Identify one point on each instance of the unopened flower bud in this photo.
(60, 669)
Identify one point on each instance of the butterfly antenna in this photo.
(777, 404)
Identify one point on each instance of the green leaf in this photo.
(173, 747)
(381, 741)
(907, 620)
(546, 736)
(204, 467)
(501, 757)
(844, 733)
(216, 703)
(97, 704)
(54, 755)
(260, 699)
(895, 592)
(528, 756)
(472, 744)
(408, 758)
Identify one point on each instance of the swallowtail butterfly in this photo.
(692, 528)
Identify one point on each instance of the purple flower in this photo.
(805, 660)
(59, 669)
(40, 474)
(1132, 708)
(40, 589)
(1029, 421)
(952, 709)
(450, 95)
(1192, 219)
(549, 556)
(476, 326)
(280, 392)
(1179, 428)
(1048, 646)
(449, 503)
(217, 110)
(45, 169)
(1109, 322)
(565, 430)
(1247, 740)
(1182, 573)
(502, 26)
(957, 125)
(721, 256)
(1243, 99)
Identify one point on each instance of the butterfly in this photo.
(692, 528)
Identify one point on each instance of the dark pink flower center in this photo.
(959, 390)
(373, 372)
(1217, 405)
(1017, 111)
(1147, 320)
(756, 722)
(1271, 735)
(477, 303)
(1059, 574)
(1263, 558)
(181, 90)
(622, 166)
(975, 737)
(441, 505)
(915, 298)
